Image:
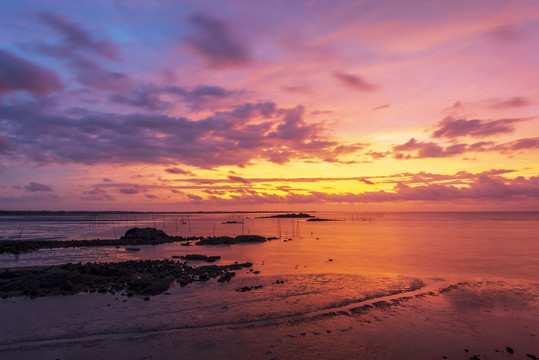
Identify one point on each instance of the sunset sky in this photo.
(251, 105)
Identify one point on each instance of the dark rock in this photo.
(509, 350)
(533, 357)
(319, 219)
(198, 257)
(227, 240)
(144, 277)
(226, 277)
(382, 304)
(248, 288)
(144, 234)
(292, 215)
(203, 277)
(244, 289)
(250, 238)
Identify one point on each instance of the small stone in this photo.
(509, 350)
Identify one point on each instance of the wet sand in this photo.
(322, 316)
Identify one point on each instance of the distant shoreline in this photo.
(63, 212)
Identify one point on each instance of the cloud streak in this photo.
(414, 149)
(214, 40)
(75, 40)
(454, 128)
(354, 81)
(19, 74)
(35, 187)
(484, 188)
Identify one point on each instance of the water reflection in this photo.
(432, 244)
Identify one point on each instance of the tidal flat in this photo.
(323, 316)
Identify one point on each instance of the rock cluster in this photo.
(227, 240)
(292, 215)
(144, 277)
(198, 257)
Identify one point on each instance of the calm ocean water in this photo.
(424, 244)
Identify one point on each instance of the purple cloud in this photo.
(238, 179)
(105, 80)
(194, 197)
(97, 194)
(433, 150)
(80, 48)
(235, 137)
(36, 187)
(506, 34)
(353, 81)
(428, 149)
(19, 74)
(149, 97)
(130, 190)
(521, 144)
(175, 170)
(516, 101)
(4, 144)
(214, 40)
(75, 39)
(453, 128)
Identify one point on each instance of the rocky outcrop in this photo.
(143, 277)
(227, 240)
(134, 236)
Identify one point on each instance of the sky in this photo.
(269, 105)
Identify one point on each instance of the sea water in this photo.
(414, 243)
